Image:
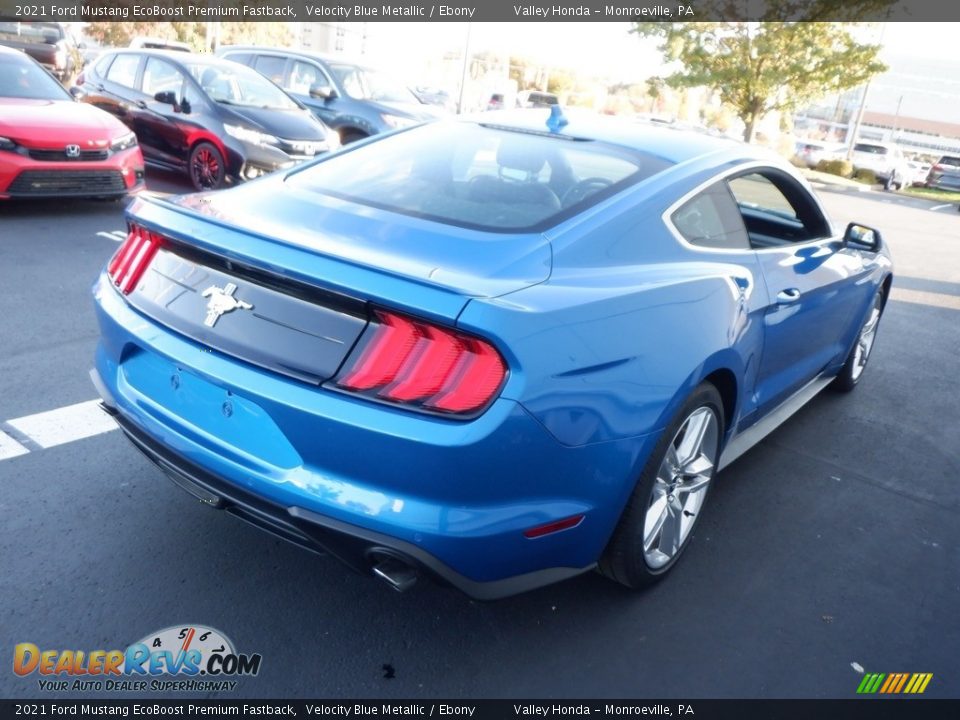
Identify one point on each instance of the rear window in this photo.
(872, 149)
(948, 160)
(488, 178)
(36, 32)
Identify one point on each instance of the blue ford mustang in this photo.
(499, 352)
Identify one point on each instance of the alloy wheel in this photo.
(680, 487)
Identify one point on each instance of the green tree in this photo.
(776, 64)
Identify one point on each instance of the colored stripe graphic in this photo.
(894, 683)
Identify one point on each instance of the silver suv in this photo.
(945, 173)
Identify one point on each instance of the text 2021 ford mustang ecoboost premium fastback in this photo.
(500, 353)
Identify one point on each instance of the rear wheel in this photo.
(666, 504)
(857, 359)
(349, 136)
(207, 167)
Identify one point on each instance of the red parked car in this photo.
(53, 146)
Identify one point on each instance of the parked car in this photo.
(435, 97)
(496, 101)
(484, 352)
(918, 172)
(150, 43)
(536, 99)
(48, 43)
(215, 120)
(886, 160)
(945, 173)
(52, 146)
(811, 152)
(354, 100)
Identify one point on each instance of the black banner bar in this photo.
(860, 709)
(479, 10)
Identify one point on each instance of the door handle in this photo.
(142, 104)
(787, 296)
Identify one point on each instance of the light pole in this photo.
(463, 72)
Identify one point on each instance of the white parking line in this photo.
(941, 207)
(115, 235)
(10, 448)
(63, 425)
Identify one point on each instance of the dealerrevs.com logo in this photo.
(177, 658)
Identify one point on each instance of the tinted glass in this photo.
(481, 177)
(776, 209)
(271, 66)
(232, 84)
(872, 149)
(756, 192)
(366, 84)
(22, 78)
(947, 160)
(160, 76)
(123, 71)
(712, 220)
(303, 76)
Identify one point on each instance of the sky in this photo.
(924, 66)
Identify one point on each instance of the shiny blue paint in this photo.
(606, 321)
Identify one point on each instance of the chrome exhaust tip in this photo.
(397, 574)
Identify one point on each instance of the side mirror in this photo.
(167, 97)
(862, 237)
(50, 38)
(323, 92)
(76, 91)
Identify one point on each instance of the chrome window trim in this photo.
(667, 219)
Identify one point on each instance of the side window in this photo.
(242, 58)
(776, 210)
(160, 76)
(123, 71)
(192, 97)
(303, 76)
(271, 66)
(711, 220)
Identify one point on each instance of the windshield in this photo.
(233, 84)
(872, 149)
(21, 78)
(366, 84)
(488, 178)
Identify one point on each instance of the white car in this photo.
(811, 152)
(886, 160)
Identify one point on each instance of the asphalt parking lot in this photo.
(833, 544)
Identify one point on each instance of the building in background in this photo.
(333, 38)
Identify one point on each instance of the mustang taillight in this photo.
(413, 362)
(133, 258)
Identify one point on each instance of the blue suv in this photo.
(354, 100)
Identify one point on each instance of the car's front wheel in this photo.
(207, 167)
(666, 504)
(857, 359)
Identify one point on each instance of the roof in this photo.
(330, 59)
(673, 144)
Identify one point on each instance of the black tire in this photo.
(625, 558)
(206, 166)
(856, 362)
(349, 136)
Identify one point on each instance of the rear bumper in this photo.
(358, 548)
(334, 472)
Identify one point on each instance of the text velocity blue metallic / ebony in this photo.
(495, 354)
